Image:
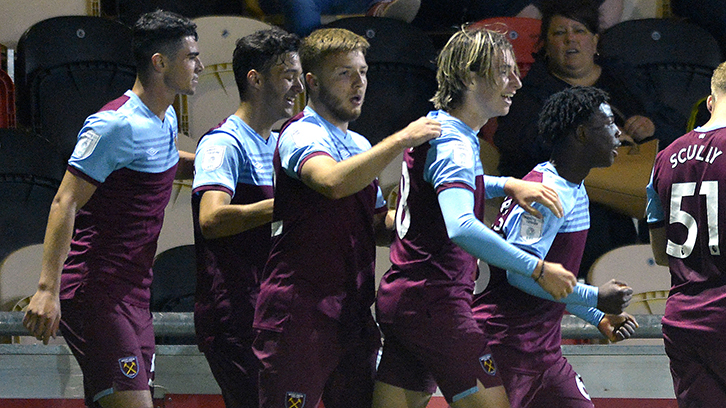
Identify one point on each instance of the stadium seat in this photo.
(677, 58)
(68, 68)
(633, 264)
(216, 96)
(401, 74)
(522, 32)
(174, 286)
(26, 153)
(19, 273)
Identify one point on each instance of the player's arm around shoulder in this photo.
(338, 179)
(43, 314)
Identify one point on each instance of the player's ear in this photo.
(254, 79)
(709, 103)
(311, 80)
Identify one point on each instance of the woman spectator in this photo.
(569, 57)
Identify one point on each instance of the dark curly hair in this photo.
(564, 111)
(259, 51)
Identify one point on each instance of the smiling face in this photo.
(601, 136)
(282, 83)
(571, 47)
(495, 99)
(183, 68)
(340, 86)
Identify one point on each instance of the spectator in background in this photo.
(303, 16)
(569, 57)
(442, 15)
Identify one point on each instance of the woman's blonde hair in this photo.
(323, 42)
(470, 51)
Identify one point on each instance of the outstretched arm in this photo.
(611, 297)
(474, 237)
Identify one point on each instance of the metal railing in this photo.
(182, 324)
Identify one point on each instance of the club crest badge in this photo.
(487, 363)
(129, 366)
(294, 400)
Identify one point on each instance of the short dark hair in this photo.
(259, 51)
(583, 11)
(564, 111)
(159, 31)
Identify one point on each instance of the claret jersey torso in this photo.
(130, 155)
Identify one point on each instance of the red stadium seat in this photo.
(522, 32)
(7, 101)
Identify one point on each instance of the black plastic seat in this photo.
(676, 57)
(67, 69)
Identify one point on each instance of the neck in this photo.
(473, 118)
(326, 114)
(156, 97)
(587, 76)
(255, 118)
(718, 116)
(569, 168)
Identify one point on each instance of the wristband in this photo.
(541, 273)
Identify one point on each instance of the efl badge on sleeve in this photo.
(213, 158)
(487, 363)
(294, 400)
(129, 366)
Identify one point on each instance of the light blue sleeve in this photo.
(585, 295)
(536, 236)
(494, 186)
(297, 142)
(217, 161)
(105, 144)
(589, 314)
(654, 209)
(474, 237)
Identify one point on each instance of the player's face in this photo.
(602, 135)
(495, 100)
(182, 74)
(571, 46)
(342, 85)
(282, 85)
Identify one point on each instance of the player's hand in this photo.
(614, 296)
(556, 280)
(419, 131)
(42, 316)
(524, 193)
(639, 127)
(617, 327)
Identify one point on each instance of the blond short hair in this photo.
(718, 80)
(469, 51)
(326, 41)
